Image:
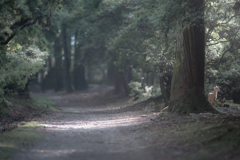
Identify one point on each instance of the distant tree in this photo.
(66, 39)
(59, 85)
(79, 78)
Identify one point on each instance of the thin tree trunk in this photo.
(104, 75)
(187, 89)
(111, 74)
(152, 77)
(125, 84)
(168, 85)
(89, 75)
(163, 90)
(80, 82)
(147, 78)
(118, 81)
(162, 79)
(166, 41)
(24, 93)
(67, 55)
(58, 65)
(49, 62)
(42, 78)
(129, 74)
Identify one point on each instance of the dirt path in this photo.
(86, 129)
(97, 125)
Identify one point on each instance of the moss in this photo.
(213, 139)
(16, 139)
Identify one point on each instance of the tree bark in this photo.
(67, 55)
(59, 85)
(187, 88)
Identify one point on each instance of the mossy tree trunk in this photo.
(187, 88)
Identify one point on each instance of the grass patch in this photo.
(16, 139)
(214, 138)
(44, 103)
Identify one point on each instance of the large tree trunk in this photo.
(67, 55)
(187, 89)
(58, 65)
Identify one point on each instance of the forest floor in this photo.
(96, 124)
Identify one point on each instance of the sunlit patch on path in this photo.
(93, 124)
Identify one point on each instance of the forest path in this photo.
(91, 126)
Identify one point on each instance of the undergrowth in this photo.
(34, 103)
(43, 103)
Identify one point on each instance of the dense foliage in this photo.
(22, 42)
(134, 39)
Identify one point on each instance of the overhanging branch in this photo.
(29, 24)
(22, 24)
